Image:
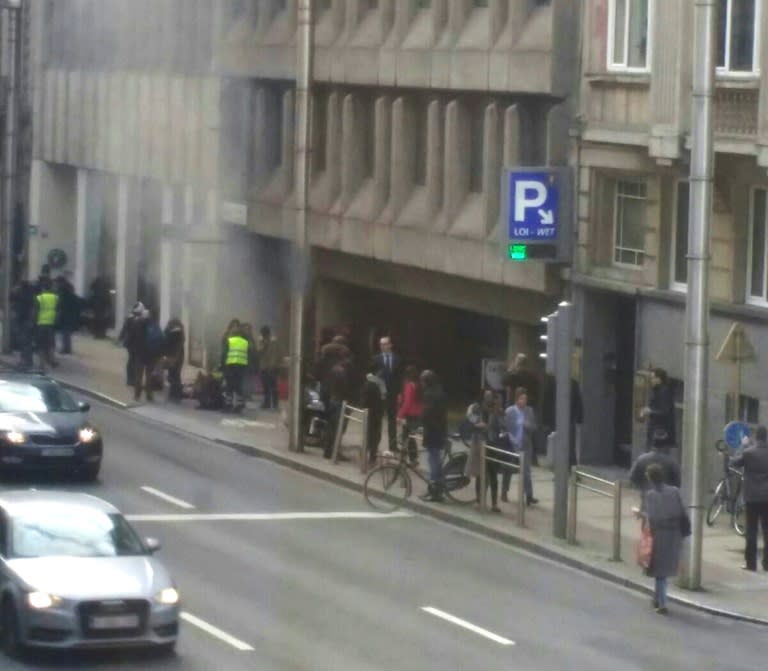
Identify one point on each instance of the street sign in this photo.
(536, 214)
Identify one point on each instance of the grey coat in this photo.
(755, 462)
(663, 508)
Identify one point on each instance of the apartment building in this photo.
(164, 151)
(633, 150)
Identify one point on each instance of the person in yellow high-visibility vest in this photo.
(235, 359)
(46, 314)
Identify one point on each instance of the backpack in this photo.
(155, 337)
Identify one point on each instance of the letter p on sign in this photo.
(529, 194)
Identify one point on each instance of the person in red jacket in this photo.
(409, 414)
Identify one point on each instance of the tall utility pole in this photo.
(697, 299)
(300, 268)
(12, 52)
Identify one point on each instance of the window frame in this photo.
(749, 298)
(725, 71)
(674, 285)
(614, 239)
(623, 67)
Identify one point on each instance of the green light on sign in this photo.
(518, 252)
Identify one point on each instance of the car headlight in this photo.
(42, 600)
(16, 437)
(168, 597)
(87, 434)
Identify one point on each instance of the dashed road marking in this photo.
(167, 497)
(263, 517)
(215, 632)
(467, 625)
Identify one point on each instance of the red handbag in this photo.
(645, 547)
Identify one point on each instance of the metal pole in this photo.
(572, 508)
(617, 489)
(561, 456)
(300, 260)
(483, 473)
(13, 52)
(521, 502)
(697, 299)
(364, 444)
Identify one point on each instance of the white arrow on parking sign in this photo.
(547, 217)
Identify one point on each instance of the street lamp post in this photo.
(300, 246)
(11, 10)
(697, 299)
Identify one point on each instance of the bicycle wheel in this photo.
(739, 516)
(387, 487)
(717, 503)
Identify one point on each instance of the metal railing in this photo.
(349, 413)
(510, 460)
(600, 486)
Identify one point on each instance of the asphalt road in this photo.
(274, 589)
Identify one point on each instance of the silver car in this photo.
(74, 574)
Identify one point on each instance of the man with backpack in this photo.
(144, 340)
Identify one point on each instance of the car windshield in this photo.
(35, 397)
(73, 533)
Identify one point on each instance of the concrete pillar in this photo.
(492, 166)
(126, 258)
(382, 149)
(81, 232)
(350, 152)
(435, 150)
(456, 163)
(511, 136)
(403, 161)
(167, 266)
(519, 341)
(333, 145)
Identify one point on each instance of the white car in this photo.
(74, 574)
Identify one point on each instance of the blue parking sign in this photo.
(534, 206)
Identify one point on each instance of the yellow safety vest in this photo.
(237, 351)
(47, 304)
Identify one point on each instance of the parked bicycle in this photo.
(728, 493)
(389, 485)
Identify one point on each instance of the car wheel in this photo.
(90, 473)
(10, 632)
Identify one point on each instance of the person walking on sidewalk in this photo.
(46, 314)
(69, 313)
(235, 359)
(434, 419)
(520, 424)
(372, 398)
(174, 357)
(132, 338)
(269, 362)
(150, 342)
(660, 412)
(754, 460)
(409, 414)
(664, 512)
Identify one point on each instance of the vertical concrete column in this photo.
(383, 147)
(259, 167)
(333, 145)
(456, 153)
(404, 13)
(435, 151)
(511, 136)
(458, 11)
(167, 266)
(492, 166)
(287, 140)
(126, 257)
(519, 11)
(403, 161)
(558, 122)
(350, 151)
(81, 231)
(387, 17)
(497, 17)
(439, 18)
(519, 341)
(37, 193)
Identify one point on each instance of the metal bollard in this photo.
(617, 490)
(483, 478)
(364, 444)
(521, 502)
(570, 535)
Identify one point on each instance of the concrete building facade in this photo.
(633, 151)
(164, 150)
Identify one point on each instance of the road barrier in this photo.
(349, 413)
(510, 460)
(600, 486)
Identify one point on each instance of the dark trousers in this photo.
(756, 513)
(141, 375)
(435, 457)
(373, 437)
(130, 368)
(234, 377)
(66, 341)
(27, 345)
(408, 441)
(174, 383)
(506, 478)
(269, 382)
(46, 342)
(491, 482)
(334, 416)
(391, 410)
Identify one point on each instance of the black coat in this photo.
(370, 399)
(755, 462)
(393, 379)
(667, 463)
(434, 417)
(661, 421)
(69, 310)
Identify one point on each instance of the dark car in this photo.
(43, 428)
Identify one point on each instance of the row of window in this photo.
(629, 229)
(630, 35)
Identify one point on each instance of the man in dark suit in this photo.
(391, 366)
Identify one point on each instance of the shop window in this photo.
(737, 38)
(629, 23)
(629, 223)
(757, 248)
(748, 410)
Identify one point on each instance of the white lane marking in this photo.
(167, 497)
(215, 632)
(467, 625)
(247, 423)
(263, 517)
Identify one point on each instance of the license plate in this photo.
(115, 622)
(58, 452)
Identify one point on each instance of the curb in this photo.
(446, 516)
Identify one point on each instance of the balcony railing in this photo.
(736, 112)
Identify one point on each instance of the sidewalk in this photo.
(98, 369)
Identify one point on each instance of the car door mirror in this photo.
(82, 406)
(152, 545)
